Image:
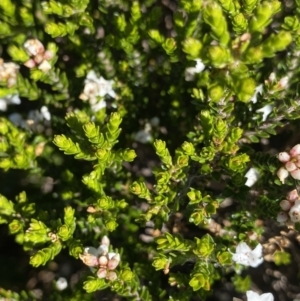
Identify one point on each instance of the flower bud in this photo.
(282, 217)
(48, 55)
(282, 174)
(295, 150)
(285, 205)
(296, 174)
(111, 275)
(103, 261)
(292, 196)
(290, 166)
(114, 261)
(295, 213)
(91, 209)
(45, 66)
(284, 157)
(102, 272)
(105, 241)
(38, 58)
(30, 63)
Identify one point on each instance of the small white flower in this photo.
(272, 77)
(11, 99)
(199, 66)
(191, 71)
(266, 110)
(245, 256)
(45, 113)
(96, 87)
(258, 90)
(252, 176)
(283, 82)
(61, 283)
(252, 296)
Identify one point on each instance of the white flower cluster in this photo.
(8, 73)
(95, 88)
(245, 256)
(291, 162)
(36, 119)
(252, 296)
(291, 209)
(105, 262)
(38, 55)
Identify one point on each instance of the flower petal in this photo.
(266, 297)
(252, 296)
(241, 259)
(242, 247)
(257, 251)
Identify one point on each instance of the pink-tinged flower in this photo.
(297, 160)
(245, 256)
(285, 205)
(102, 272)
(295, 151)
(282, 174)
(89, 259)
(38, 58)
(282, 217)
(283, 82)
(290, 166)
(294, 212)
(296, 174)
(114, 260)
(34, 47)
(284, 157)
(111, 276)
(292, 196)
(30, 64)
(48, 55)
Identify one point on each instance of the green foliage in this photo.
(139, 120)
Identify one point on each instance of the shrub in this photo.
(141, 139)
